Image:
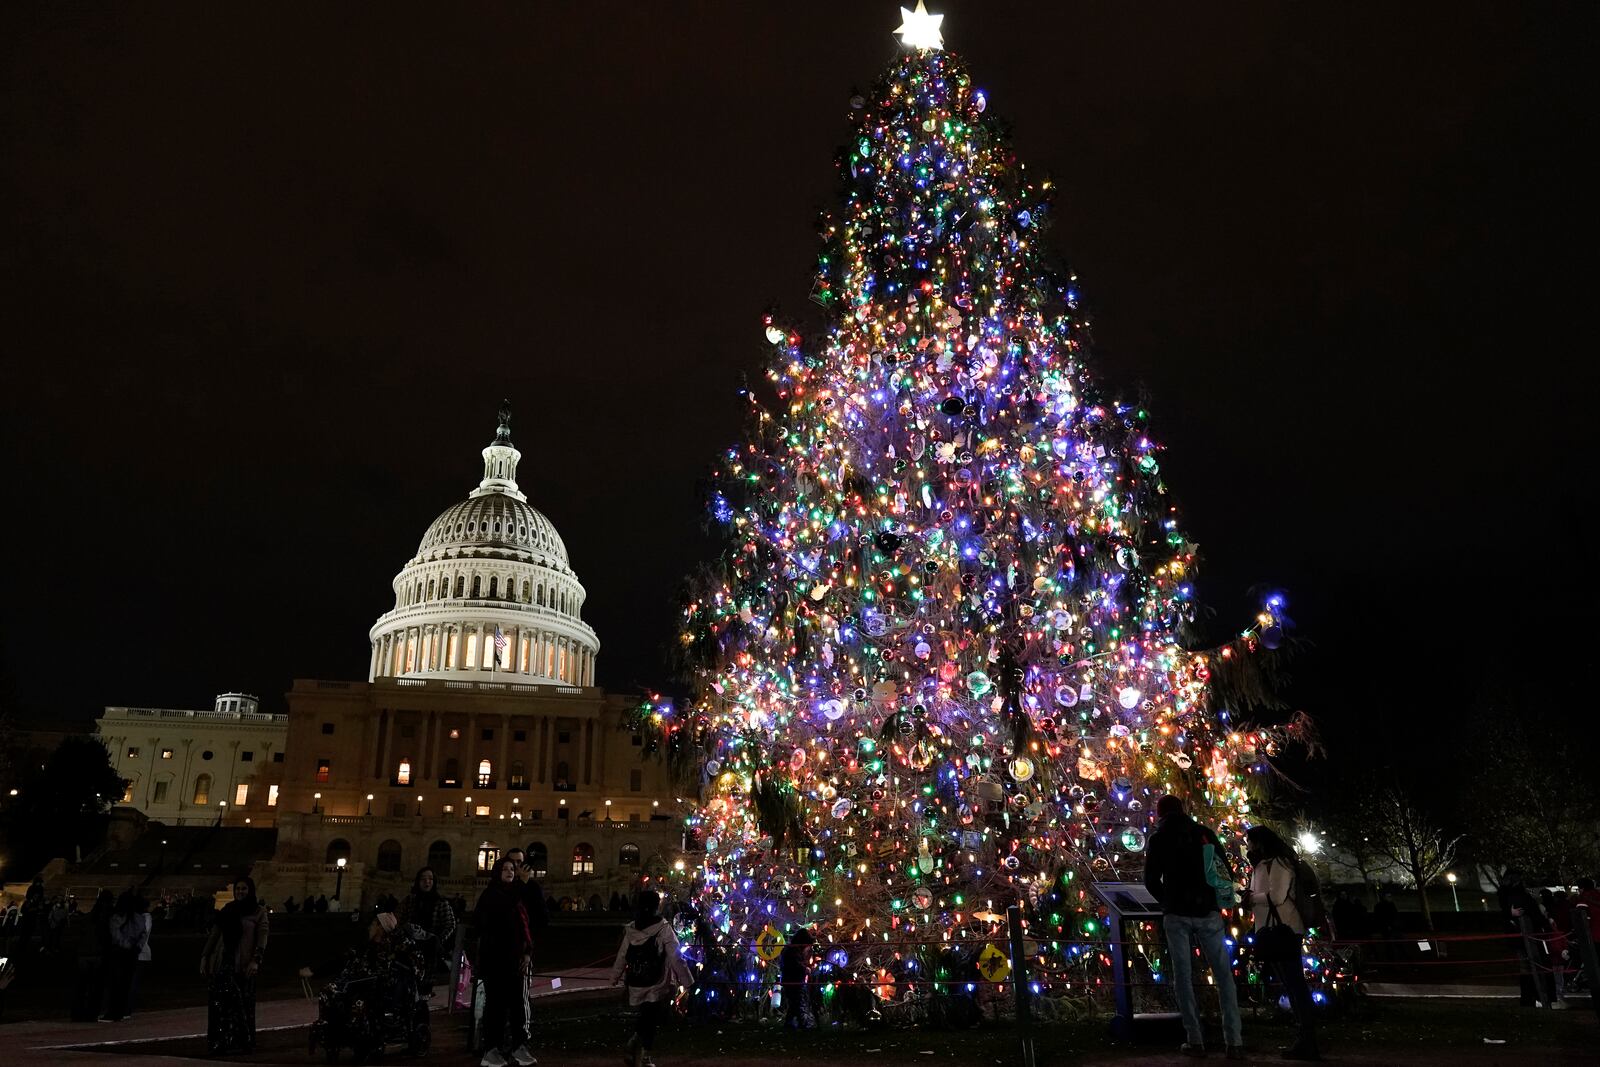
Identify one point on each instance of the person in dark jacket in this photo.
(505, 956)
(794, 974)
(1175, 874)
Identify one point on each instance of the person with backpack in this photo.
(1285, 902)
(505, 959)
(1187, 871)
(649, 961)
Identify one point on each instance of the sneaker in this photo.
(493, 1058)
(522, 1057)
(1558, 1005)
(1196, 1051)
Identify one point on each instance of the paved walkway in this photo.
(55, 1041)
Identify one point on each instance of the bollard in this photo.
(1583, 934)
(1019, 984)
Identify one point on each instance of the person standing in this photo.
(504, 960)
(426, 908)
(1175, 874)
(141, 960)
(1280, 926)
(127, 938)
(794, 976)
(231, 959)
(649, 960)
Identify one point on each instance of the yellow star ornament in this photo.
(918, 29)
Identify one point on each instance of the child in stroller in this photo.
(378, 995)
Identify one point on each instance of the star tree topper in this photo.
(918, 29)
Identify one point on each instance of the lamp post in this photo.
(1451, 878)
(369, 803)
(419, 803)
(316, 799)
(338, 882)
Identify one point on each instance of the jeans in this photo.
(651, 1012)
(504, 1026)
(1184, 934)
(1293, 977)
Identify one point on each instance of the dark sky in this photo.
(265, 275)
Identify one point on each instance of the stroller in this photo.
(378, 999)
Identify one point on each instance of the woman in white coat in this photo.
(649, 961)
(1280, 929)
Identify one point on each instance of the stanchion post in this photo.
(1019, 984)
(1583, 934)
(1544, 982)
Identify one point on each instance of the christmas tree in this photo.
(946, 664)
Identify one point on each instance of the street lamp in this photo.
(419, 803)
(369, 803)
(316, 799)
(338, 883)
(1451, 878)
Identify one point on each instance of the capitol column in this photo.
(372, 671)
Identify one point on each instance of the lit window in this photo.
(272, 796)
(241, 794)
(481, 809)
(582, 859)
(166, 753)
(488, 855)
(127, 792)
(403, 775)
(449, 809)
(472, 649)
(485, 774)
(133, 752)
(202, 789)
(324, 771)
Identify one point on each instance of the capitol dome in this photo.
(489, 593)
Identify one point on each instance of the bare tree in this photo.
(1406, 837)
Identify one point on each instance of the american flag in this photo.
(499, 644)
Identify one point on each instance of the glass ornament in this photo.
(1066, 696)
(1022, 769)
(922, 898)
(1129, 698)
(978, 683)
(1132, 839)
(841, 807)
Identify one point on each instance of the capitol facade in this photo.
(477, 729)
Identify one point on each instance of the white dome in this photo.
(489, 592)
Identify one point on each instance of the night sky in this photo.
(266, 274)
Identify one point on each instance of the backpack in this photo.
(125, 931)
(1306, 891)
(644, 964)
(1218, 876)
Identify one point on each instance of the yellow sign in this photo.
(769, 944)
(993, 964)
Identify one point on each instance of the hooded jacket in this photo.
(674, 972)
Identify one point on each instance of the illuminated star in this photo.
(918, 29)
